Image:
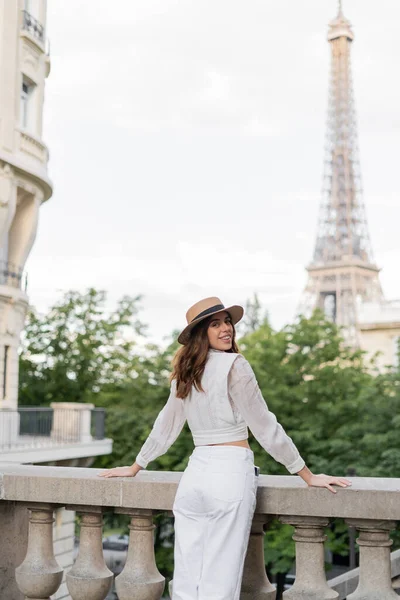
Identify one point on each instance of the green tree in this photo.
(77, 348)
(312, 381)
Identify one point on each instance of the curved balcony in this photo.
(32, 26)
(32, 147)
(64, 430)
(371, 506)
(30, 161)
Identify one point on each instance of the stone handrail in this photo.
(371, 505)
(60, 423)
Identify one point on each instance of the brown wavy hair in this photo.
(190, 360)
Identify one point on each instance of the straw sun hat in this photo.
(204, 309)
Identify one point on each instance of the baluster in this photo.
(255, 583)
(375, 569)
(39, 576)
(89, 576)
(310, 580)
(140, 578)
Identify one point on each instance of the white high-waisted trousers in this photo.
(213, 508)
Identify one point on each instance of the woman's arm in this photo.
(246, 395)
(167, 426)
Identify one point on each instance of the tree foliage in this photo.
(77, 348)
(312, 381)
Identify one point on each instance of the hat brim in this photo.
(236, 312)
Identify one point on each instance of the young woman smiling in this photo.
(214, 388)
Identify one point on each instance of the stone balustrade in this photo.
(371, 505)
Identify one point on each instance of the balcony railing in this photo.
(39, 427)
(31, 146)
(12, 275)
(32, 25)
(371, 506)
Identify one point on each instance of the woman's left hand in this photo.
(328, 481)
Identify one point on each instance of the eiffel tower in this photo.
(342, 274)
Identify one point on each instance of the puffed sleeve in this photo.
(246, 395)
(167, 427)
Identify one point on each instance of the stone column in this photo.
(89, 578)
(14, 524)
(8, 204)
(375, 572)
(140, 578)
(39, 576)
(255, 583)
(9, 420)
(310, 583)
(71, 421)
(23, 228)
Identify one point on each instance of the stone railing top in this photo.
(71, 405)
(367, 498)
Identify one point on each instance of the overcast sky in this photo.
(186, 142)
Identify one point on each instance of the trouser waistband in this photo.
(229, 452)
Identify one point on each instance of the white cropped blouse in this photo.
(231, 401)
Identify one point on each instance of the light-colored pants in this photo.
(213, 508)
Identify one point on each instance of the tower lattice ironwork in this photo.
(342, 273)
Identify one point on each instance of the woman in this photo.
(214, 388)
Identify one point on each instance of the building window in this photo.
(26, 105)
(32, 7)
(30, 22)
(330, 306)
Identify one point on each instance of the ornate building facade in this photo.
(343, 279)
(24, 182)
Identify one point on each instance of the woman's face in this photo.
(220, 331)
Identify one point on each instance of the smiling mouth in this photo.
(226, 338)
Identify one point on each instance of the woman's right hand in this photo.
(322, 480)
(121, 471)
(328, 481)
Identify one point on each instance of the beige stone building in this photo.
(379, 328)
(24, 182)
